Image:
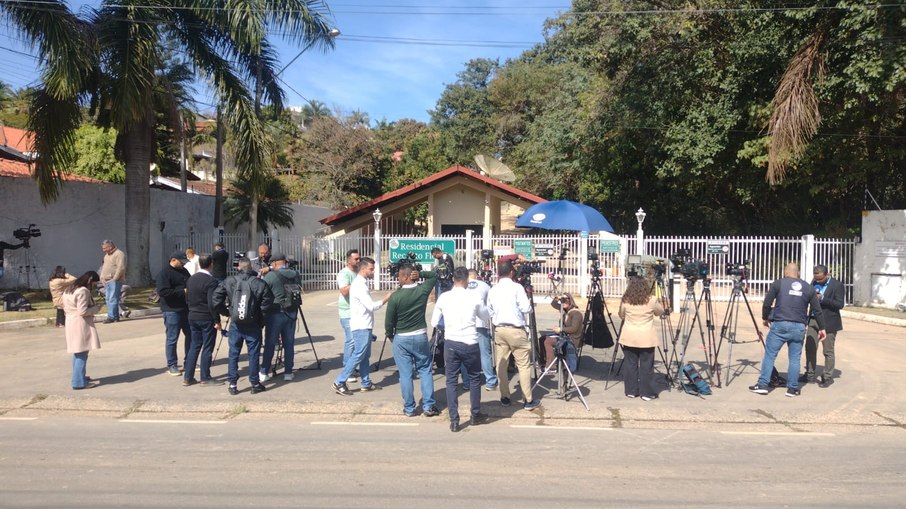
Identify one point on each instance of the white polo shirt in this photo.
(361, 307)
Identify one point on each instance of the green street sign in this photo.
(523, 247)
(399, 248)
(610, 246)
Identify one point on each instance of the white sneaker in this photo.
(262, 376)
(288, 377)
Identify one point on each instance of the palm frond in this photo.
(273, 209)
(303, 21)
(54, 122)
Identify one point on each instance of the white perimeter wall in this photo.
(73, 226)
(880, 265)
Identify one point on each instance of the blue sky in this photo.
(393, 58)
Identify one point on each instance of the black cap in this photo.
(278, 257)
(179, 255)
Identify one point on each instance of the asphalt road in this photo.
(61, 461)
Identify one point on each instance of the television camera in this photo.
(24, 234)
(410, 260)
(486, 270)
(740, 270)
(645, 266)
(525, 270)
(684, 263)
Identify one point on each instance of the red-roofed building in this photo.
(458, 199)
(17, 139)
(18, 169)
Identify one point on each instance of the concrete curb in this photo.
(865, 317)
(41, 322)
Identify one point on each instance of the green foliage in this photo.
(95, 157)
(462, 114)
(273, 210)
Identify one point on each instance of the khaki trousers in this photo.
(511, 340)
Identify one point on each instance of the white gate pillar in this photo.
(807, 261)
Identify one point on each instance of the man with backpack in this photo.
(245, 299)
(280, 317)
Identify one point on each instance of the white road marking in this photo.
(779, 433)
(589, 428)
(340, 423)
(18, 418)
(166, 421)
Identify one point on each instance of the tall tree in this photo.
(463, 112)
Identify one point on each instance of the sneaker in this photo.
(757, 389)
(258, 388)
(189, 381)
(341, 389)
(632, 396)
(505, 401)
(210, 382)
(263, 377)
(126, 313)
(792, 393)
(90, 385)
(531, 405)
(649, 398)
(478, 418)
(233, 390)
(432, 412)
(370, 388)
(110, 320)
(354, 378)
(288, 377)
(490, 388)
(408, 414)
(826, 382)
(173, 371)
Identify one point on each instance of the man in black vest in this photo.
(204, 322)
(793, 300)
(171, 286)
(831, 294)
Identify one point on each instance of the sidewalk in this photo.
(135, 385)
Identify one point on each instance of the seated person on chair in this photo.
(571, 328)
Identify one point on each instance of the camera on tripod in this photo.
(24, 234)
(525, 270)
(645, 266)
(410, 260)
(740, 270)
(684, 263)
(238, 255)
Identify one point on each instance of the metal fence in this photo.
(563, 259)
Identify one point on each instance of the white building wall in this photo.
(458, 205)
(880, 259)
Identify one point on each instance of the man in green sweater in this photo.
(405, 324)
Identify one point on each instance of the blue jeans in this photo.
(251, 334)
(791, 333)
(409, 352)
(203, 337)
(112, 296)
(176, 321)
(360, 357)
(79, 360)
(487, 357)
(283, 325)
(348, 343)
(457, 355)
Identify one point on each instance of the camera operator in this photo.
(405, 324)
(514, 259)
(638, 338)
(793, 299)
(572, 320)
(219, 260)
(279, 318)
(481, 289)
(261, 264)
(442, 285)
(460, 310)
(508, 303)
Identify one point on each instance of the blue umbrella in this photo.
(563, 215)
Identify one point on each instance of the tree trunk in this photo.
(137, 158)
(218, 200)
(253, 222)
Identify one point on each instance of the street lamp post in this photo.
(640, 234)
(377, 248)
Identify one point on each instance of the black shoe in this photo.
(803, 379)
(505, 401)
(341, 389)
(757, 389)
(110, 320)
(233, 390)
(531, 405)
(189, 381)
(792, 393)
(478, 418)
(211, 382)
(454, 427)
(432, 412)
(826, 382)
(258, 388)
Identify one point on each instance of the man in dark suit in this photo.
(831, 294)
(204, 322)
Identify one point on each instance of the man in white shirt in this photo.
(361, 323)
(481, 289)
(460, 310)
(508, 304)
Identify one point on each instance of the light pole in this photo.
(640, 234)
(377, 248)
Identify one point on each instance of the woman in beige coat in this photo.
(58, 282)
(81, 334)
(638, 337)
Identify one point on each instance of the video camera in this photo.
(238, 255)
(410, 260)
(645, 266)
(689, 267)
(24, 234)
(740, 270)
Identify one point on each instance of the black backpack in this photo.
(292, 293)
(243, 303)
(15, 301)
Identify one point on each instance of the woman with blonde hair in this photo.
(81, 334)
(58, 282)
(638, 337)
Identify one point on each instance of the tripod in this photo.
(564, 388)
(731, 321)
(709, 343)
(590, 325)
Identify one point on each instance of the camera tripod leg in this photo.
(377, 365)
(310, 340)
(224, 332)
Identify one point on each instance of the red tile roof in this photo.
(450, 172)
(18, 169)
(18, 139)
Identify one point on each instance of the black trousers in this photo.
(456, 355)
(638, 371)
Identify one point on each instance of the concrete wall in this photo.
(880, 265)
(73, 226)
(458, 205)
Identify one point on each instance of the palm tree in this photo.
(273, 210)
(314, 109)
(112, 59)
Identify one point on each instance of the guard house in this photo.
(458, 199)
